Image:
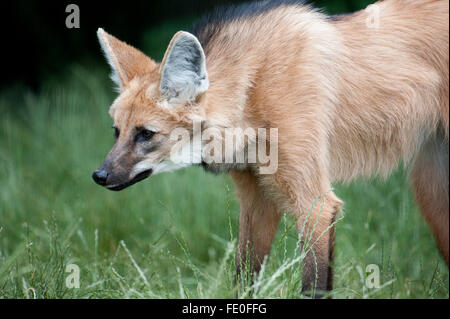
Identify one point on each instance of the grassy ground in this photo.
(174, 235)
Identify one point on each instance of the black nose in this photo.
(100, 177)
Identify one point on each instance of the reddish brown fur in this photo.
(348, 100)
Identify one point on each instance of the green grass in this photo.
(174, 235)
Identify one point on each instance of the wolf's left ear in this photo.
(183, 70)
(126, 62)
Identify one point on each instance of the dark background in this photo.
(36, 43)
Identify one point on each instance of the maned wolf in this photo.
(351, 96)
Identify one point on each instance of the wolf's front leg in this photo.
(309, 198)
(257, 223)
(317, 230)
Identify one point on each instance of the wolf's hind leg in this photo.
(430, 181)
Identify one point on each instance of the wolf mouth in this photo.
(136, 179)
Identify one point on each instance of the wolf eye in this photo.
(116, 132)
(145, 135)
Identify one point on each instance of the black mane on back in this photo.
(210, 24)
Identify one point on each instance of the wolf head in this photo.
(155, 99)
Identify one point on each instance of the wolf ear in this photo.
(126, 62)
(183, 70)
